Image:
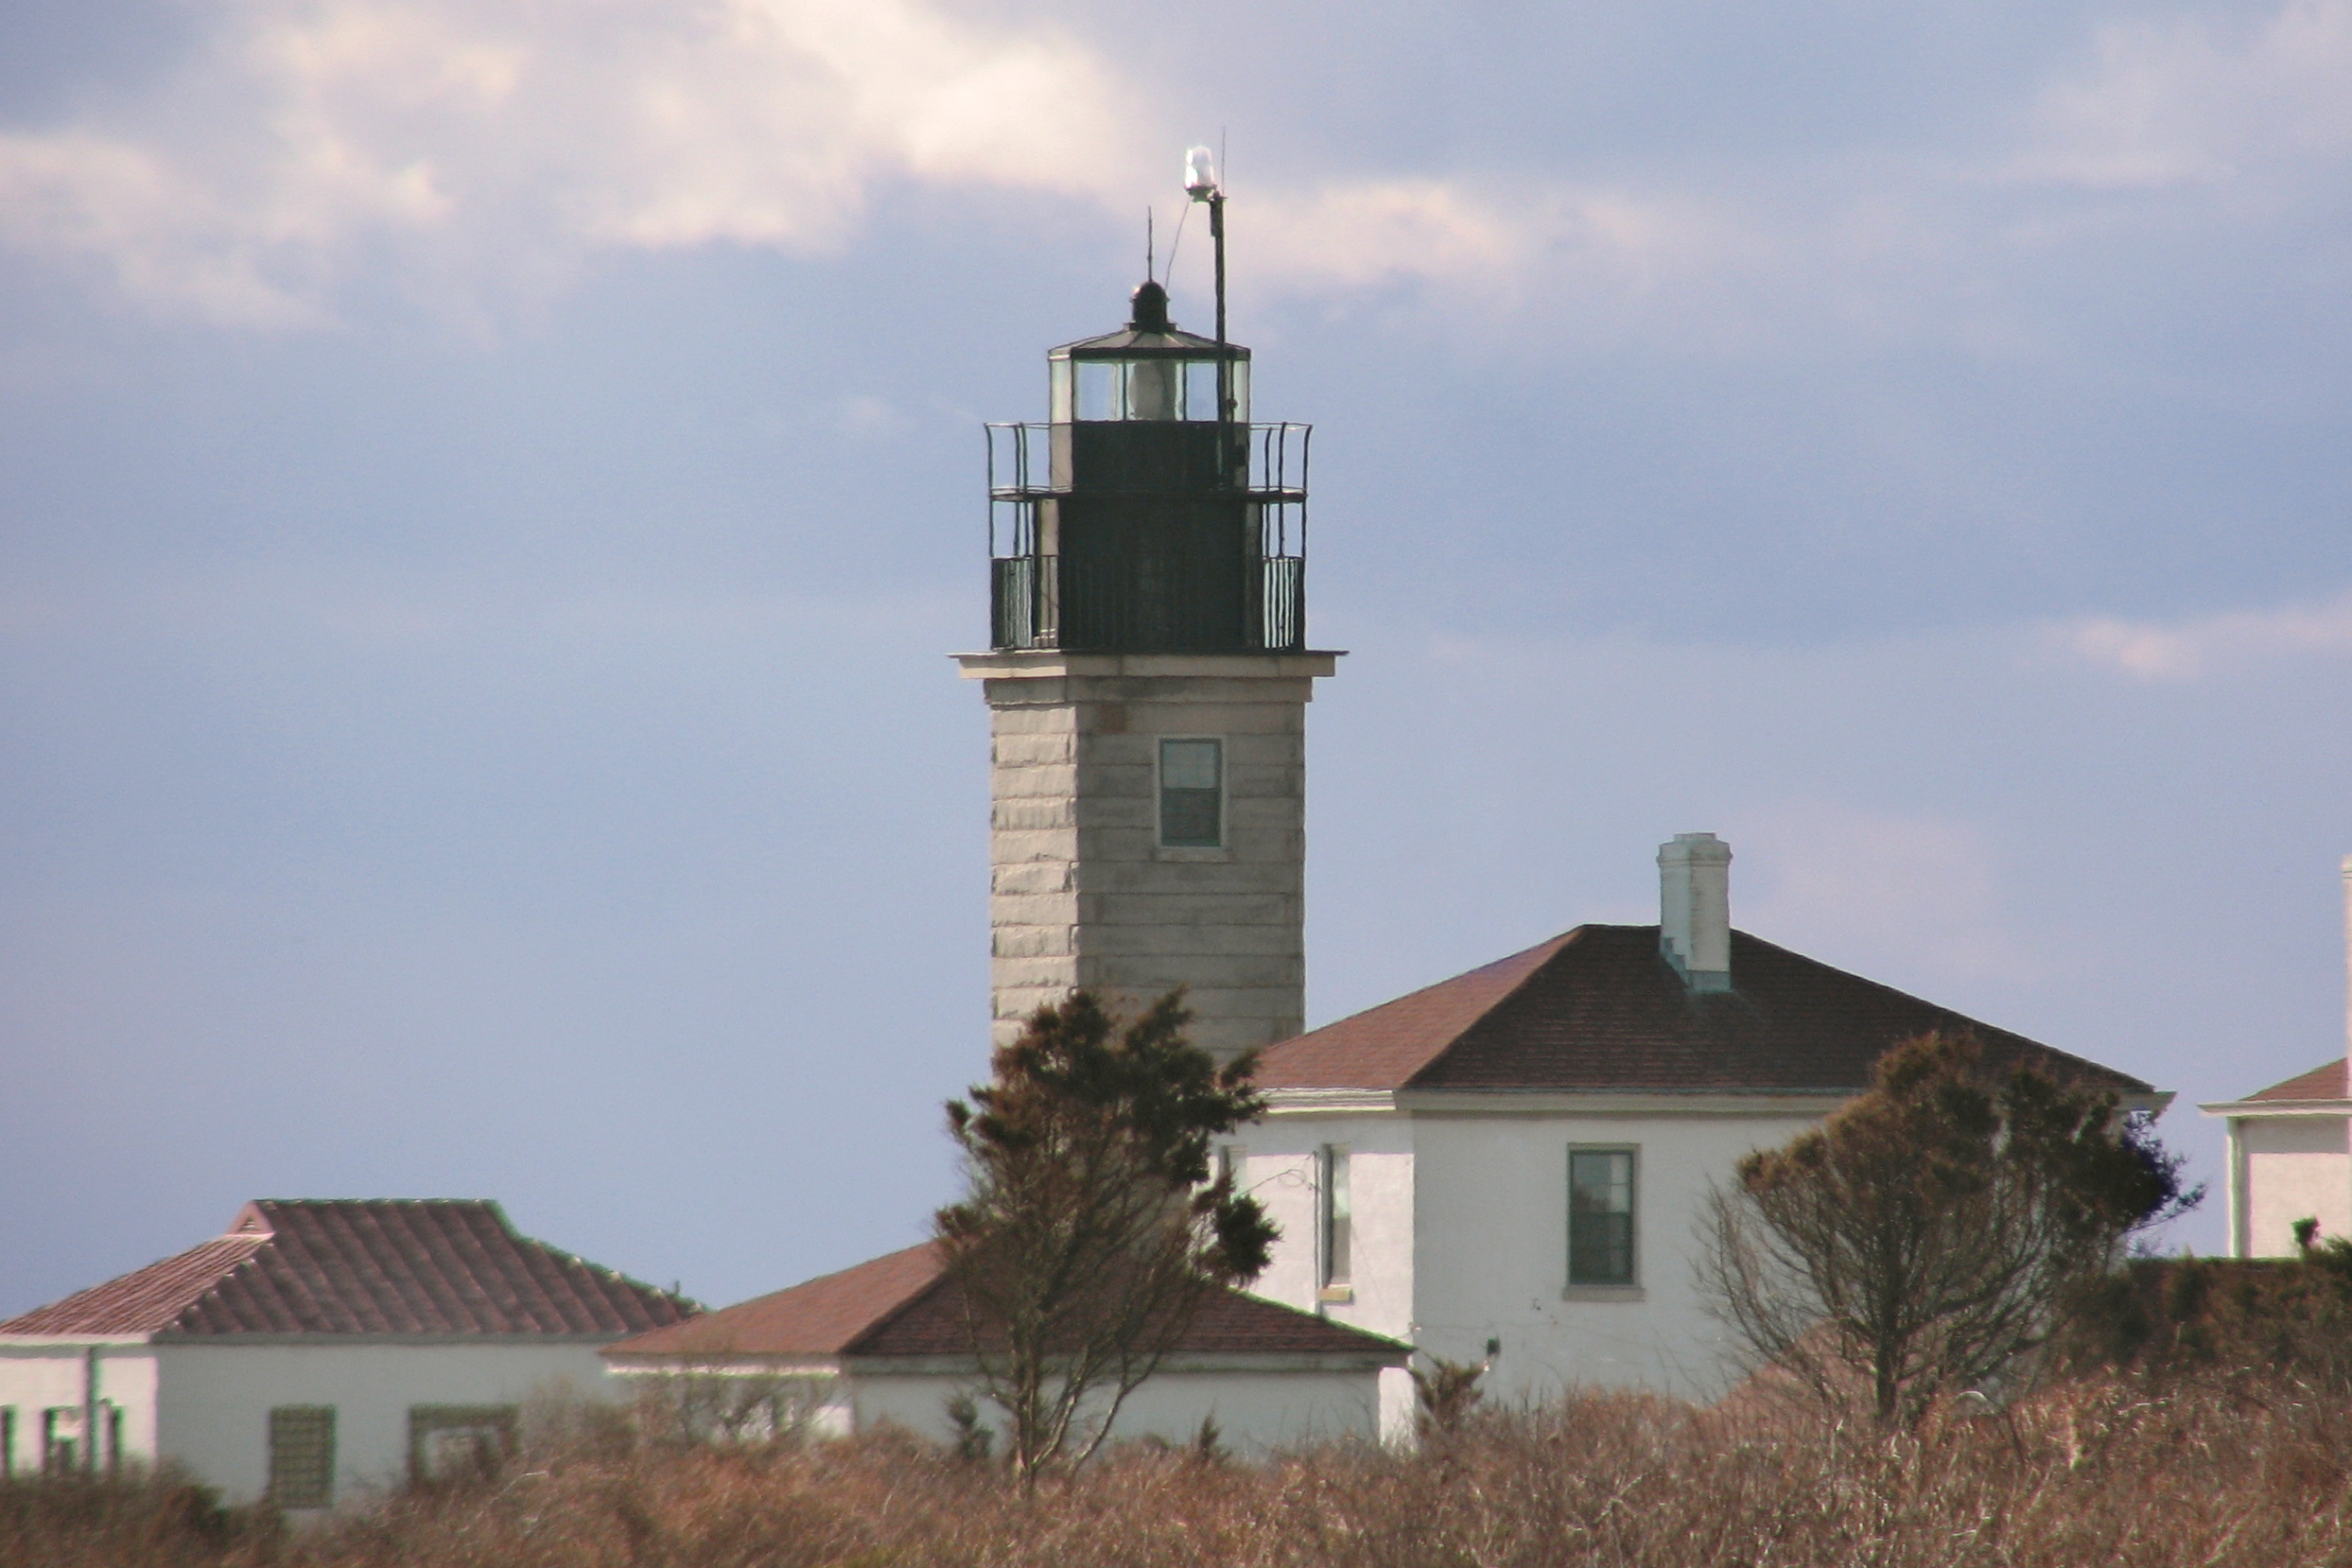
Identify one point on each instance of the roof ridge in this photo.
(119, 1306)
(1933, 1007)
(939, 1278)
(1558, 945)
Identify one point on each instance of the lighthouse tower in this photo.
(1147, 683)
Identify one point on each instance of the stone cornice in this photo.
(1052, 664)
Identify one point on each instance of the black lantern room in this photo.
(1148, 515)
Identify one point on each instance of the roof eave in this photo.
(1325, 1102)
(723, 1364)
(2277, 1107)
(597, 1339)
(61, 1341)
(961, 1364)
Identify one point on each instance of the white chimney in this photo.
(1694, 910)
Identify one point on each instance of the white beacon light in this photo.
(1200, 180)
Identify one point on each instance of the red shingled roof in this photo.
(823, 1317)
(1601, 1009)
(364, 1266)
(2324, 1082)
(901, 1305)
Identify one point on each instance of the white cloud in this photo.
(457, 146)
(1364, 233)
(2184, 649)
(2186, 100)
(505, 132)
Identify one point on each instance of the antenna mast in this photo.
(1200, 182)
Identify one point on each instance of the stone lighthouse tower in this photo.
(1147, 683)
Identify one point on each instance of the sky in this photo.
(488, 489)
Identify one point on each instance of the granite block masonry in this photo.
(1085, 889)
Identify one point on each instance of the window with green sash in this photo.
(1600, 1216)
(302, 1456)
(1192, 794)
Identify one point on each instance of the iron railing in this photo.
(1139, 598)
(1048, 601)
(1028, 461)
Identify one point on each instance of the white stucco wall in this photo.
(214, 1400)
(35, 1378)
(1279, 1170)
(2292, 1167)
(1461, 1237)
(1256, 1412)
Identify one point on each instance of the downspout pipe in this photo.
(90, 1410)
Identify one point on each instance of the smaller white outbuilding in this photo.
(886, 1343)
(319, 1349)
(2288, 1161)
(2290, 1148)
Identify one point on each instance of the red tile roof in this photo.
(2324, 1082)
(1601, 1009)
(428, 1267)
(824, 1316)
(902, 1305)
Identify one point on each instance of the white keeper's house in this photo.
(316, 1351)
(1509, 1167)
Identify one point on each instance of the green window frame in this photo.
(302, 1456)
(1335, 1217)
(1601, 1215)
(1191, 793)
(450, 1443)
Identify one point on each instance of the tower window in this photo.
(1600, 1216)
(1192, 794)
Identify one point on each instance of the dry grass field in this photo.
(2209, 1469)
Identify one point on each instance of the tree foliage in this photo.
(1933, 1233)
(1092, 1229)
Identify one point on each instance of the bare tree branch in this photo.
(1931, 1236)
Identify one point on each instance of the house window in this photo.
(1336, 1226)
(7, 1441)
(1600, 1216)
(453, 1443)
(1192, 794)
(302, 1456)
(60, 1439)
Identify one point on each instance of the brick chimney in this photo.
(1694, 910)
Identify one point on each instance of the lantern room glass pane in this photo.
(1201, 389)
(1098, 390)
(1154, 390)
